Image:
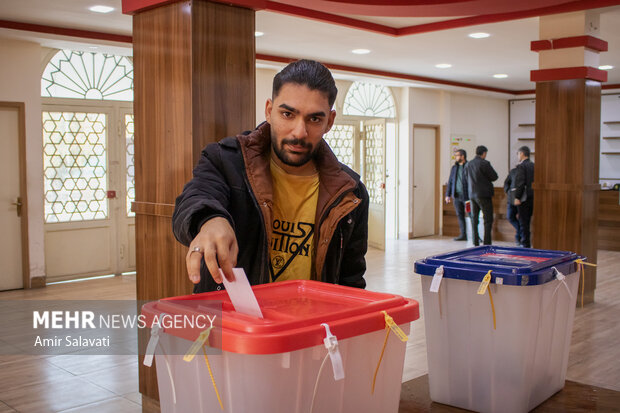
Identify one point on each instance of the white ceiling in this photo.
(473, 61)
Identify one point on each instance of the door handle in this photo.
(18, 204)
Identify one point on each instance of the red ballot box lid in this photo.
(293, 312)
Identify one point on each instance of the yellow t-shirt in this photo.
(294, 209)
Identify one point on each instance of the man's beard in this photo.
(284, 156)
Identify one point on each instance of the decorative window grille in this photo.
(341, 138)
(129, 162)
(374, 162)
(369, 99)
(85, 75)
(74, 166)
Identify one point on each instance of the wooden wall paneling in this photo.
(162, 102)
(609, 220)
(608, 233)
(566, 185)
(194, 84)
(162, 113)
(224, 72)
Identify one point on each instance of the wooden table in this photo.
(574, 398)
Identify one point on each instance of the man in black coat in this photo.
(524, 194)
(457, 190)
(276, 201)
(480, 176)
(511, 208)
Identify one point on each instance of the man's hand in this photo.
(517, 202)
(216, 242)
(448, 199)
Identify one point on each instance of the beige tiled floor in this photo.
(100, 384)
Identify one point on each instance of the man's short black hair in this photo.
(481, 149)
(525, 151)
(463, 152)
(309, 73)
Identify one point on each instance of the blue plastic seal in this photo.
(509, 266)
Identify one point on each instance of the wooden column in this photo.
(568, 111)
(194, 77)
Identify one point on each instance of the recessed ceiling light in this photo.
(606, 67)
(479, 35)
(93, 47)
(500, 76)
(258, 34)
(443, 65)
(101, 9)
(360, 51)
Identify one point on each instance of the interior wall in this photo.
(264, 82)
(487, 119)
(20, 81)
(404, 107)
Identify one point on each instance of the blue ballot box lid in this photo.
(510, 266)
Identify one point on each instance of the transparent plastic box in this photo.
(516, 362)
(272, 364)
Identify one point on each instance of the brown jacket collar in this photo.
(256, 149)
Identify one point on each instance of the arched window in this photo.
(369, 99)
(85, 75)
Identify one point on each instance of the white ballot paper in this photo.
(241, 294)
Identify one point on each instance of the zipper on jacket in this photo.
(262, 220)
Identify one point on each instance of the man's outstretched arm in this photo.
(201, 219)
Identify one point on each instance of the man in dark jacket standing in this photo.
(457, 190)
(480, 176)
(511, 208)
(276, 201)
(524, 194)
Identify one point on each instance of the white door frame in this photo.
(115, 111)
(437, 194)
(23, 187)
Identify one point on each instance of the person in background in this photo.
(457, 190)
(524, 194)
(511, 208)
(480, 176)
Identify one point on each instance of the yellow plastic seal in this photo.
(389, 322)
(484, 285)
(200, 341)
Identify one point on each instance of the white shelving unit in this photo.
(522, 132)
(522, 127)
(610, 140)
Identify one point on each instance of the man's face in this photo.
(458, 157)
(299, 117)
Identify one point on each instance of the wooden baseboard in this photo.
(150, 405)
(38, 282)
